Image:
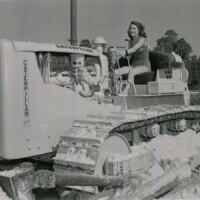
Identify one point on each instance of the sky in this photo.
(49, 20)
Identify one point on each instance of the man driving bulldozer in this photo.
(87, 74)
(93, 76)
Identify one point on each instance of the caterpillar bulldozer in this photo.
(104, 145)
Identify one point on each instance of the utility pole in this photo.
(73, 16)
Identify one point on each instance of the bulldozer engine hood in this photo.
(45, 47)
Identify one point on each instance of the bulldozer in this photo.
(100, 145)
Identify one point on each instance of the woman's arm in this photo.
(139, 44)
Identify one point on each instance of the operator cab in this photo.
(66, 69)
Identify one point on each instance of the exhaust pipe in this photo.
(73, 15)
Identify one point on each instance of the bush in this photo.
(195, 99)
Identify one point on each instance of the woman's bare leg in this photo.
(122, 70)
(133, 71)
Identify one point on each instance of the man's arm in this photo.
(94, 80)
(91, 80)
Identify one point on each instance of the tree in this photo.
(170, 42)
(165, 44)
(182, 48)
(172, 34)
(85, 43)
(193, 67)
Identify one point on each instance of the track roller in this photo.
(195, 126)
(151, 130)
(177, 125)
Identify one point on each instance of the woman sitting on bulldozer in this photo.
(137, 56)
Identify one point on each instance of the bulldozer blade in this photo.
(18, 185)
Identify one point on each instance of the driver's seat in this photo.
(141, 79)
(144, 78)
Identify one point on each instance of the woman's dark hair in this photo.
(141, 29)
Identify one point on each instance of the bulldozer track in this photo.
(158, 114)
(87, 135)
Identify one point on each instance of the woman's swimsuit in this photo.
(141, 56)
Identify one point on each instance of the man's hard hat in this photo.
(99, 40)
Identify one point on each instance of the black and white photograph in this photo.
(99, 99)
